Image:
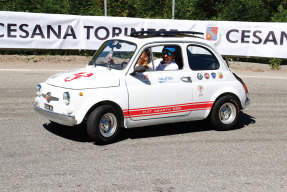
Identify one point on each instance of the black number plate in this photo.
(48, 107)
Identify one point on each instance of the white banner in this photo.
(52, 31)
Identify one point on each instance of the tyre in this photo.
(225, 113)
(103, 125)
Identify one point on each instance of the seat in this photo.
(178, 59)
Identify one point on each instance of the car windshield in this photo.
(114, 54)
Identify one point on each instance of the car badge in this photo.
(199, 76)
(206, 75)
(213, 75)
(49, 98)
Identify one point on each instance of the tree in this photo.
(244, 10)
(281, 15)
(230, 10)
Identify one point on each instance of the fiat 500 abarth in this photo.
(147, 78)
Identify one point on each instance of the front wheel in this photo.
(225, 113)
(103, 125)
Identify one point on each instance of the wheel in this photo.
(103, 125)
(225, 113)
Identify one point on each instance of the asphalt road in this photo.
(37, 156)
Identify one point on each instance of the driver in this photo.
(168, 59)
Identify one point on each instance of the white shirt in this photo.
(159, 66)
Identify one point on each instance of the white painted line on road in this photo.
(62, 70)
(262, 77)
(35, 70)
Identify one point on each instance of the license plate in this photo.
(48, 107)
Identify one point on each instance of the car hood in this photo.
(85, 78)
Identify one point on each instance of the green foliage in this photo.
(86, 7)
(201, 9)
(244, 10)
(281, 15)
(138, 8)
(275, 63)
(231, 10)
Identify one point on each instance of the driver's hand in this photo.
(147, 65)
(110, 60)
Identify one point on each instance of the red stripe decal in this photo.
(169, 109)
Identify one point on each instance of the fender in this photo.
(203, 114)
(236, 89)
(91, 97)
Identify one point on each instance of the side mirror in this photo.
(138, 69)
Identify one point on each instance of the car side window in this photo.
(166, 58)
(200, 58)
(145, 60)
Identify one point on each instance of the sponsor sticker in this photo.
(200, 90)
(206, 75)
(213, 75)
(199, 76)
(165, 79)
(220, 75)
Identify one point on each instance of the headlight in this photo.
(39, 90)
(66, 98)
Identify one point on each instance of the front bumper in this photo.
(62, 119)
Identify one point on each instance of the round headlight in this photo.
(66, 98)
(38, 89)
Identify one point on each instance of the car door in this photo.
(159, 94)
(207, 75)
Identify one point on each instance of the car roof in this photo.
(147, 37)
(146, 34)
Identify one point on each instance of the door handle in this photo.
(186, 79)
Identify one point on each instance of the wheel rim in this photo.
(108, 125)
(227, 113)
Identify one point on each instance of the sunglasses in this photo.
(165, 51)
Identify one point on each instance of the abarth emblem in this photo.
(49, 98)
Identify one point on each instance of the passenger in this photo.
(144, 59)
(168, 59)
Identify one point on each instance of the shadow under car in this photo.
(78, 133)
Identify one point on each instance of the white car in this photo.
(115, 91)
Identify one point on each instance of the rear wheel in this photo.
(225, 113)
(103, 125)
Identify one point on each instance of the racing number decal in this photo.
(77, 76)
